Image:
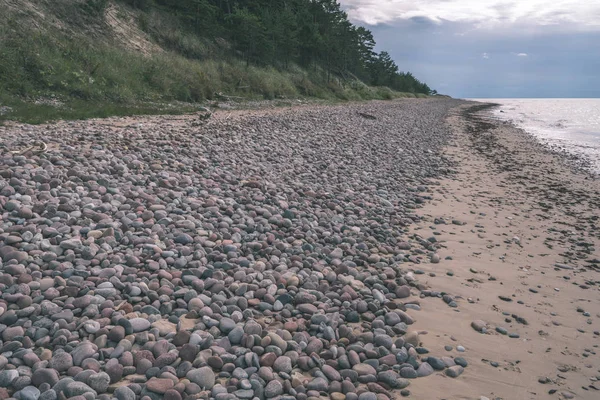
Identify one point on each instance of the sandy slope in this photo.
(523, 211)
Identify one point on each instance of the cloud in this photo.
(486, 56)
(489, 13)
(522, 54)
(559, 63)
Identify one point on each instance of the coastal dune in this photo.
(364, 251)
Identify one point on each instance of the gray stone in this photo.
(436, 363)
(244, 394)
(11, 333)
(412, 338)
(184, 239)
(83, 351)
(307, 308)
(235, 335)
(383, 340)
(455, 371)
(408, 372)
(61, 361)
(29, 393)
(331, 373)
(364, 369)
(425, 370)
(71, 244)
(479, 325)
(203, 377)
(99, 382)
(139, 324)
(44, 375)
(283, 364)
(318, 384)
(124, 393)
(49, 394)
(367, 396)
(78, 388)
(274, 388)
(460, 361)
(7, 377)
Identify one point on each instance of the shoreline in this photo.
(576, 160)
(522, 261)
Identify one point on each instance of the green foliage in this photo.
(139, 4)
(95, 80)
(35, 113)
(165, 30)
(259, 49)
(312, 33)
(248, 33)
(94, 7)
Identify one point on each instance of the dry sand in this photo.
(523, 210)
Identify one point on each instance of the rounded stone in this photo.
(203, 377)
(124, 393)
(455, 371)
(283, 364)
(61, 361)
(274, 388)
(29, 393)
(99, 382)
(44, 375)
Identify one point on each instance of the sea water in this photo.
(572, 124)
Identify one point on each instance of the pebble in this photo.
(479, 326)
(28, 393)
(274, 388)
(460, 361)
(425, 369)
(152, 260)
(203, 377)
(455, 371)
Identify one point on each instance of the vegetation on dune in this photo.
(64, 59)
(308, 33)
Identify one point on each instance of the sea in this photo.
(570, 124)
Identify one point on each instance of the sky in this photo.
(490, 48)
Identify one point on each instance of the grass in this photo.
(39, 113)
(96, 78)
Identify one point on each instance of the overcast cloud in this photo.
(490, 48)
(580, 14)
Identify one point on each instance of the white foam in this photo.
(571, 124)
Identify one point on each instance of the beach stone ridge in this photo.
(260, 256)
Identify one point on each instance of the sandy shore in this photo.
(524, 257)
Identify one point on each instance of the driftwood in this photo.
(367, 116)
(36, 148)
(203, 117)
(227, 97)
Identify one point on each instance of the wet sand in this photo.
(524, 257)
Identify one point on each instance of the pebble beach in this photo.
(311, 252)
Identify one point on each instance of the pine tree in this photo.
(311, 33)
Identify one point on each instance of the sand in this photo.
(523, 210)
